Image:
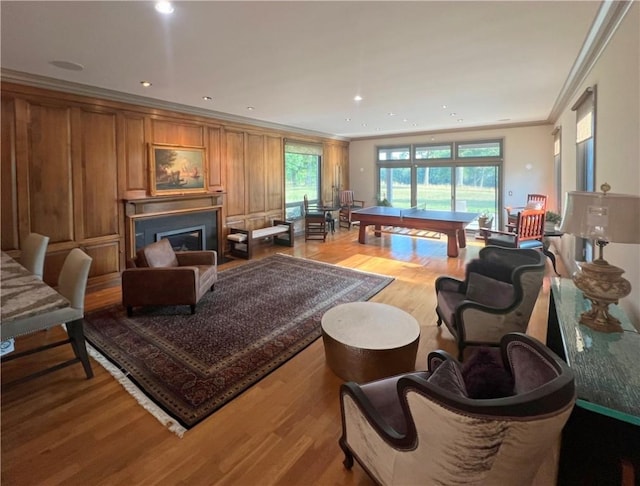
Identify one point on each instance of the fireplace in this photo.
(188, 222)
(185, 239)
(196, 230)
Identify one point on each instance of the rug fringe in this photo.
(136, 393)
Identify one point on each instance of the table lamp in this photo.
(604, 218)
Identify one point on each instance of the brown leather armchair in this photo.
(159, 276)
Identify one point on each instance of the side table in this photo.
(365, 341)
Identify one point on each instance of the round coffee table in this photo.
(365, 341)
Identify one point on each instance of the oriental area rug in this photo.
(183, 367)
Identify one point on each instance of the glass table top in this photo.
(606, 365)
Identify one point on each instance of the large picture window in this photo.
(302, 164)
(456, 176)
(585, 109)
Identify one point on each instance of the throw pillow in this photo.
(485, 377)
(534, 205)
(447, 375)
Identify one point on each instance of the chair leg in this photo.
(76, 335)
(193, 309)
(212, 287)
(129, 311)
(348, 456)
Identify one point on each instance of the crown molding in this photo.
(605, 24)
(9, 75)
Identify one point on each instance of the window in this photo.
(585, 109)
(433, 152)
(491, 149)
(460, 176)
(557, 165)
(302, 176)
(397, 153)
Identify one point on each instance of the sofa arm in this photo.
(206, 257)
(157, 286)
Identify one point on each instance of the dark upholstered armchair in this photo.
(441, 427)
(497, 296)
(160, 276)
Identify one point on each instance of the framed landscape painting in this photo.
(176, 169)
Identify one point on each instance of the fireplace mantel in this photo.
(159, 208)
(169, 204)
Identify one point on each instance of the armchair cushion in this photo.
(156, 255)
(485, 376)
(489, 291)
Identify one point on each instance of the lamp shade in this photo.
(602, 216)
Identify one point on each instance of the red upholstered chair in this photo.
(534, 201)
(160, 276)
(527, 232)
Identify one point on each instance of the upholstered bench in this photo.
(242, 242)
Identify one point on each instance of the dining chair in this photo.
(534, 201)
(315, 222)
(348, 203)
(72, 284)
(34, 249)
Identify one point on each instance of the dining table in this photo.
(27, 305)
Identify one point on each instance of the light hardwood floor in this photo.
(64, 429)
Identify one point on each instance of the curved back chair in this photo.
(34, 249)
(497, 296)
(427, 427)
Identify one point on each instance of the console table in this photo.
(604, 427)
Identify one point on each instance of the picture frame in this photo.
(177, 169)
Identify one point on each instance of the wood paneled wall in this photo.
(69, 161)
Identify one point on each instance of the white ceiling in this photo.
(300, 64)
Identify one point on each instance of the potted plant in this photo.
(552, 220)
(382, 201)
(485, 220)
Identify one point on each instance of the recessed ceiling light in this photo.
(250, 108)
(391, 113)
(207, 98)
(414, 124)
(460, 120)
(444, 107)
(164, 7)
(347, 119)
(69, 65)
(364, 124)
(452, 113)
(357, 98)
(405, 120)
(146, 84)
